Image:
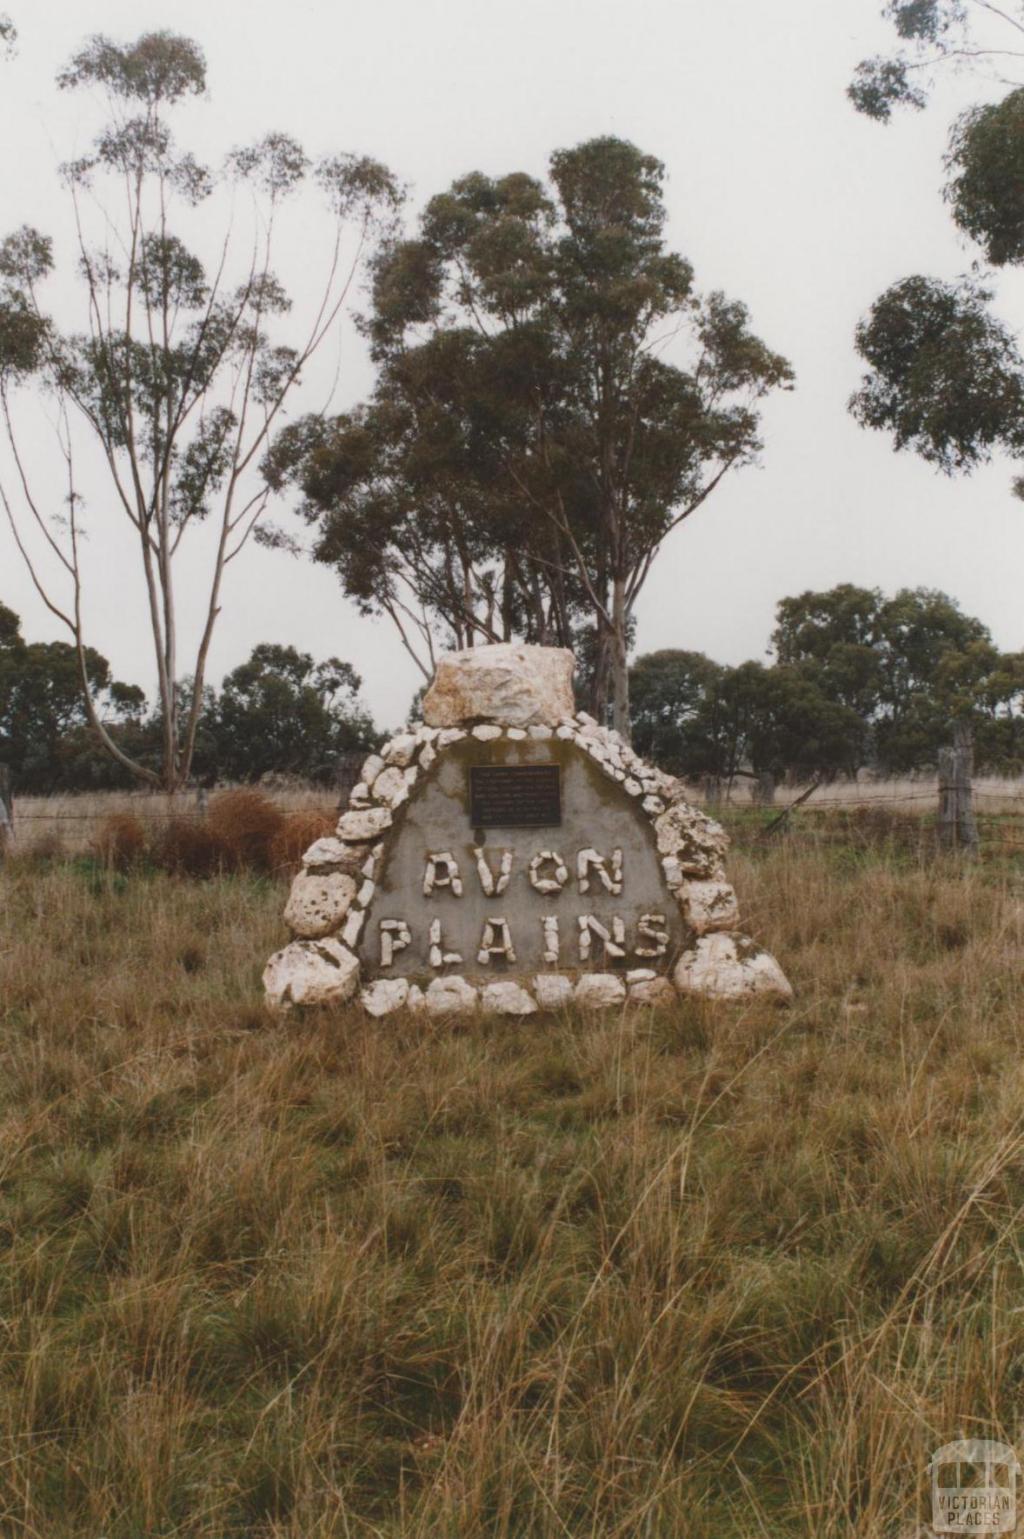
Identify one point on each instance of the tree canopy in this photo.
(180, 367)
(932, 35)
(45, 738)
(554, 397)
(858, 680)
(279, 712)
(945, 376)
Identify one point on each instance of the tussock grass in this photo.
(704, 1272)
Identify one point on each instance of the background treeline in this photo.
(858, 681)
(278, 712)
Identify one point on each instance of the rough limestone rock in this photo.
(358, 827)
(450, 996)
(696, 841)
(371, 769)
(318, 902)
(730, 967)
(507, 998)
(656, 993)
(308, 972)
(710, 906)
(515, 686)
(385, 995)
(331, 855)
(401, 750)
(599, 991)
(391, 787)
(553, 991)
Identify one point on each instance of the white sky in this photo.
(777, 191)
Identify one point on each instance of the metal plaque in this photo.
(515, 795)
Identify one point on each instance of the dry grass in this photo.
(71, 822)
(711, 1272)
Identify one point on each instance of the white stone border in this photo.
(332, 894)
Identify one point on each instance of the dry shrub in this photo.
(246, 823)
(44, 849)
(189, 847)
(120, 842)
(298, 831)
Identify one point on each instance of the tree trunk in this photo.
(619, 660)
(712, 790)
(764, 789)
(6, 812)
(598, 702)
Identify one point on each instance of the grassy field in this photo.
(714, 1272)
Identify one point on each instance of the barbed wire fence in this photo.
(957, 813)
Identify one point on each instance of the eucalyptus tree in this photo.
(933, 36)
(179, 369)
(945, 375)
(566, 400)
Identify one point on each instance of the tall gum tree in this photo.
(179, 371)
(945, 375)
(566, 399)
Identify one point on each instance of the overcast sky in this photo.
(777, 192)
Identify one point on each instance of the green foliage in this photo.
(44, 731)
(946, 375)
(937, 31)
(986, 193)
(908, 666)
(947, 379)
(280, 711)
(25, 258)
(879, 85)
(859, 679)
(669, 692)
(277, 712)
(160, 67)
(525, 453)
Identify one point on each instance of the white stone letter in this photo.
(549, 923)
(557, 880)
(491, 887)
(394, 936)
(442, 870)
(651, 929)
(492, 947)
(614, 942)
(612, 881)
(438, 956)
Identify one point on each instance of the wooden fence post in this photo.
(346, 775)
(957, 827)
(712, 790)
(6, 811)
(764, 790)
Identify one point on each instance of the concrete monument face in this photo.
(518, 858)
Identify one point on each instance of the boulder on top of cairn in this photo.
(510, 855)
(508, 684)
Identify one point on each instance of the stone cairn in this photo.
(512, 700)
